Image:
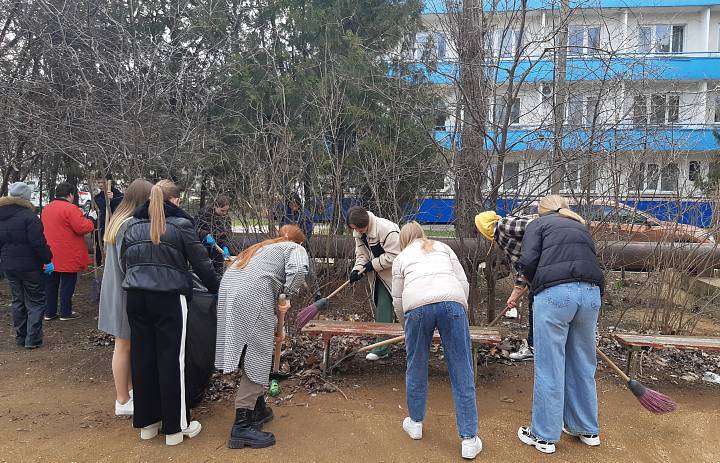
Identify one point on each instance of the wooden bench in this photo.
(637, 342)
(480, 336)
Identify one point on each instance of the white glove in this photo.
(92, 214)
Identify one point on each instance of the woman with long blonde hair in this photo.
(159, 243)
(560, 263)
(112, 318)
(246, 322)
(430, 291)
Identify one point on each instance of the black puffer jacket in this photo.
(22, 240)
(558, 250)
(164, 267)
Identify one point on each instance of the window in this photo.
(583, 40)
(511, 175)
(429, 45)
(506, 42)
(669, 177)
(501, 110)
(648, 177)
(694, 171)
(661, 38)
(581, 109)
(716, 106)
(571, 180)
(656, 109)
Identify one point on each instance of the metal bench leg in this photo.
(326, 352)
(628, 367)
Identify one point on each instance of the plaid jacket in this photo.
(509, 232)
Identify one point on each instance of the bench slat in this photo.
(660, 341)
(478, 334)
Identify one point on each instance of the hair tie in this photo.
(559, 209)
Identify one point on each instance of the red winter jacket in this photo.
(65, 228)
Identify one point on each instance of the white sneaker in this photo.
(149, 432)
(512, 313)
(471, 447)
(529, 438)
(412, 428)
(524, 353)
(191, 431)
(125, 409)
(372, 356)
(593, 440)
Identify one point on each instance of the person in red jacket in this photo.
(65, 229)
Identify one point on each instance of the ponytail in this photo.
(556, 203)
(157, 214)
(160, 192)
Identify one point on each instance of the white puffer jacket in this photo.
(421, 278)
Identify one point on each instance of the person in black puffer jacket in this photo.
(559, 260)
(23, 254)
(159, 242)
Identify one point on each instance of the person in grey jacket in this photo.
(113, 318)
(159, 246)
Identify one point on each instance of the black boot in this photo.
(244, 434)
(262, 413)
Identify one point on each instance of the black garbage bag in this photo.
(200, 345)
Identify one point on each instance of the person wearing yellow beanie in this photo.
(507, 233)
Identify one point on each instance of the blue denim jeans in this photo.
(451, 321)
(564, 319)
(28, 304)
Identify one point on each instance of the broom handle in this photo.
(282, 310)
(108, 209)
(394, 340)
(612, 364)
(342, 286)
(504, 311)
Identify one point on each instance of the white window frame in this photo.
(503, 37)
(667, 109)
(516, 103)
(654, 44)
(659, 170)
(587, 111)
(515, 185)
(421, 48)
(586, 47)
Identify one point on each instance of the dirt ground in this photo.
(56, 405)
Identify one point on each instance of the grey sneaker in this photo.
(524, 353)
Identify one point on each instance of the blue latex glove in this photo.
(209, 239)
(49, 268)
(226, 252)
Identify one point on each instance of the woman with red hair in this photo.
(246, 323)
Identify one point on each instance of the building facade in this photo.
(640, 100)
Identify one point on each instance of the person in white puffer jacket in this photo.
(430, 291)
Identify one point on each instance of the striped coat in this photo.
(246, 307)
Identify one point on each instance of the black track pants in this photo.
(157, 353)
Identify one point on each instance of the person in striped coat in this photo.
(246, 325)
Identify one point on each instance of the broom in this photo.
(311, 311)
(651, 400)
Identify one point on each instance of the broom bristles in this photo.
(651, 400)
(305, 315)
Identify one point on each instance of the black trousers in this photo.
(158, 323)
(64, 283)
